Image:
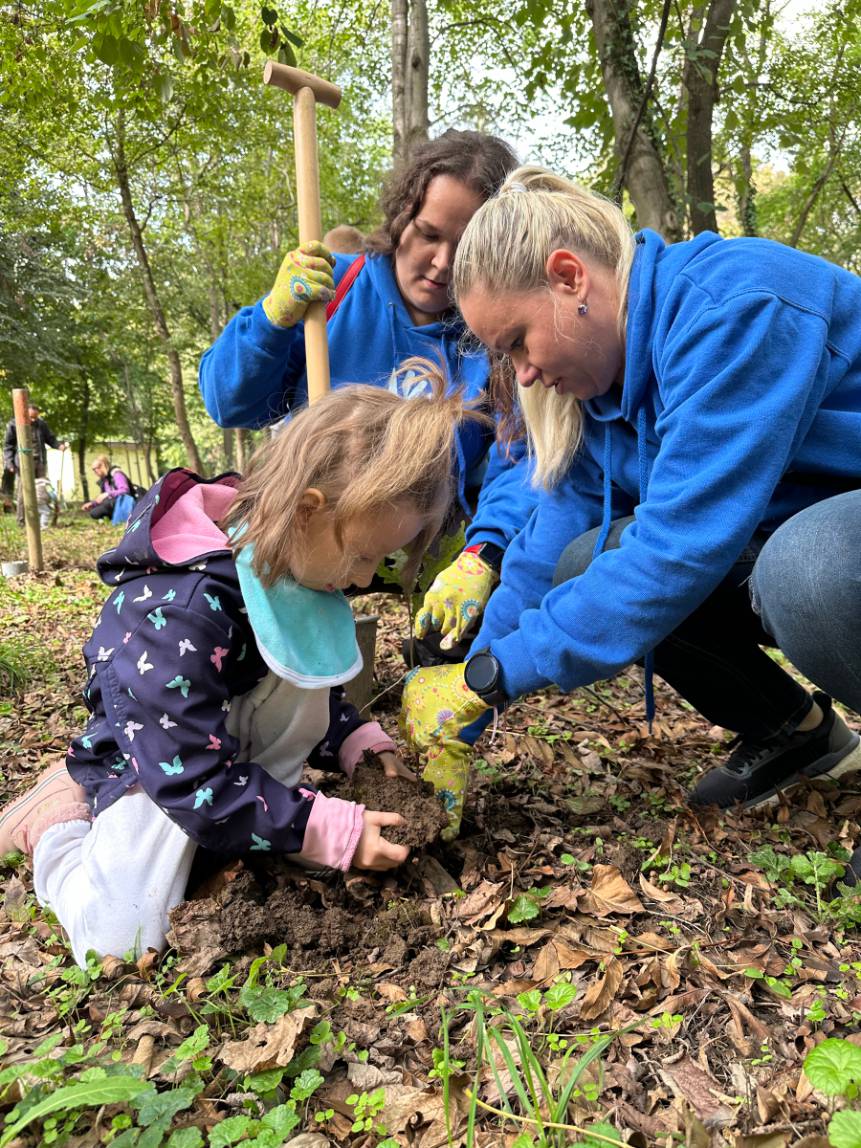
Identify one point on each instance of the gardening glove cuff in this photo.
(436, 705)
(447, 769)
(305, 276)
(457, 597)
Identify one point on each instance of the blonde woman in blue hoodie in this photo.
(682, 403)
(386, 305)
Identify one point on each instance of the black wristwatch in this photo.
(483, 676)
(488, 552)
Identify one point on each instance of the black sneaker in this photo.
(756, 770)
(852, 872)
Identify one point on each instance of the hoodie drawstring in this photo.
(607, 521)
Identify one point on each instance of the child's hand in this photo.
(393, 766)
(373, 851)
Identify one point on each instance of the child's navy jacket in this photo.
(172, 646)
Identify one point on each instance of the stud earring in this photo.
(583, 309)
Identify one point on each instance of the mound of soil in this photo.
(416, 801)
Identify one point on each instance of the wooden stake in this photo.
(27, 476)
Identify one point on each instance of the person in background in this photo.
(43, 437)
(48, 503)
(344, 240)
(116, 499)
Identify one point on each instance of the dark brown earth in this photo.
(416, 802)
(579, 866)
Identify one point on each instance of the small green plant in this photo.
(667, 1022)
(504, 1045)
(367, 1106)
(526, 906)
(780, 988)
(815, 870)
(676, 874)
(834, 1068)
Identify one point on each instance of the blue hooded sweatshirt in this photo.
(740, 406)
(254, 375)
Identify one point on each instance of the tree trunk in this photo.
(83, 432)
(704, 49)
(410, 61)
(156, 309)
(644, 171)
(241, 444)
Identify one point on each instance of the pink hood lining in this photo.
(188, 529)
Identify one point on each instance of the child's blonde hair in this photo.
(365, 449)
(505, 247)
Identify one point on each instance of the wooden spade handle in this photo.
(307, 91)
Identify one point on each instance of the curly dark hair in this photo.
(478, 160)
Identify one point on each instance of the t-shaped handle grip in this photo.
(292, 79)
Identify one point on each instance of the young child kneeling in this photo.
(216, 669)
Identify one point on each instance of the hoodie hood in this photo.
(147, 546)
(656, 265)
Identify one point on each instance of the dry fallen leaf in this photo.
(267, 1045)
(599, 996)
(609, 893)
(698, 1089)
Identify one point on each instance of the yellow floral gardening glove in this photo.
(456, 598)
(305, 276)
(447, 769)
(437, 704)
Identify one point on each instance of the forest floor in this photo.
(588, 955)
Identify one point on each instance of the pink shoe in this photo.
(53, 799)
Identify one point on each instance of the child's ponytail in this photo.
(366, 449)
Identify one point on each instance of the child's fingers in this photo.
(384, 817)
(389, 855)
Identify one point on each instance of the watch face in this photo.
(481, 672)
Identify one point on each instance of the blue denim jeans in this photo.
(806, 586)
(715, 658)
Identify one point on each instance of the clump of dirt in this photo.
(283, 905)
(423, 814)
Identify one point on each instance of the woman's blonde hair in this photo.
(365, 449)
(505, 247)
(102, 460)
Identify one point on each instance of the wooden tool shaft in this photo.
(308, 90)
(27, 475)
(310, 228)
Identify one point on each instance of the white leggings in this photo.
(112, 883)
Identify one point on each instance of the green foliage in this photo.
(541, 1082)
(269, 1003)
(844, 1129)
(814, 870)
(526, 906)
(90, 1093)
(834, 1067)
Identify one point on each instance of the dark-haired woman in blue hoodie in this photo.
(682, 403)
(385, 306)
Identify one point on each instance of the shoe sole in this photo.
(835, 765)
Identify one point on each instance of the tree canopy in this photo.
(150, 186)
